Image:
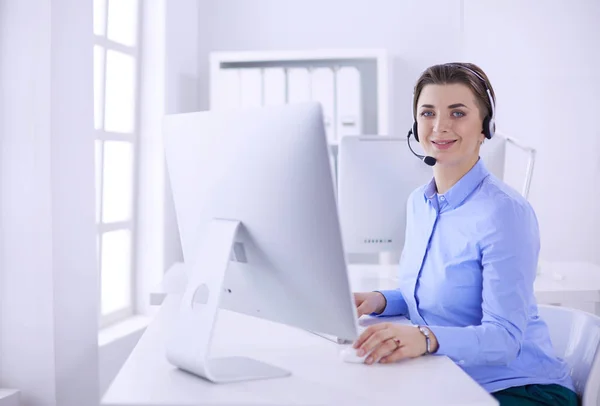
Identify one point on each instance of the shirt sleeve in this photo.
(395, 303)
(509, 256)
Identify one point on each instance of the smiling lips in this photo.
(443, 144)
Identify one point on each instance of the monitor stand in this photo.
(190, 339)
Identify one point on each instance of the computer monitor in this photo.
(376, 174)
(254, 198)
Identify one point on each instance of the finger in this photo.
(368, 332)
(397, 355)
(362, 309)
(374, 341)
(383, 350)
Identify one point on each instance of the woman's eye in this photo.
(427, 113)
(458, 114)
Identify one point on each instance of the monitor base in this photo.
(236, 369)
(189, 342)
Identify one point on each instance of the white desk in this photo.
(318, 375)
(10, 397)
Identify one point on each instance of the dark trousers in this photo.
(537, 395)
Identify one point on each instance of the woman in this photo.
(467, 269)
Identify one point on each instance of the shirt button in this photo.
(461, 362)
(442, 198)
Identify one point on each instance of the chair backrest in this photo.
(575, 336)
(493, 154)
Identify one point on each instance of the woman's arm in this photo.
(509, 260)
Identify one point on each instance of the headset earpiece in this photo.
(489, 127)
(489, 122)
(486, 127)
(414, 131)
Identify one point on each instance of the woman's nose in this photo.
(441, 124)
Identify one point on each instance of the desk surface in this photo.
(9, 397)
(319, 377)
(318, 374)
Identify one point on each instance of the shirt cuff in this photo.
(460, 344)
(395, 306)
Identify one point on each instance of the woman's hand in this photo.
(391, 342)
(369, 302)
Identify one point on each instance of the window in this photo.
(116, 66)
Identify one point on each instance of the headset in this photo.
(489, 122)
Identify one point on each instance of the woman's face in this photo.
(449, 124)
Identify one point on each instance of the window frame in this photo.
(106, 44)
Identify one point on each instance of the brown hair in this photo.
(457, 72)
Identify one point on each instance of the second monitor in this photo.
(376, 174)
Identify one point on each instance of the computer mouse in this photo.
(348, 354)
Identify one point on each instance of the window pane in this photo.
(98, 178)
(122, 21)
(120, 86)
(118, 181)
(99, 17)
(116, 271)
(98, 85)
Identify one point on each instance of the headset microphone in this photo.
(429, 160)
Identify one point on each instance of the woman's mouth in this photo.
(443, 144)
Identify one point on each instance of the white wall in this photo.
(151, 200)
(168, 85)
(413, 43)
(181, 84)
(544, 65)
(540, 57)
(48, 278)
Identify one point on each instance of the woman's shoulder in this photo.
(503, 201)
(502, 194)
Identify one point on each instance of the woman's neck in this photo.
(447, 176)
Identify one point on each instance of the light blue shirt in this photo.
(467, 272)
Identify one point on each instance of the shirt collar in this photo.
(463, 188)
